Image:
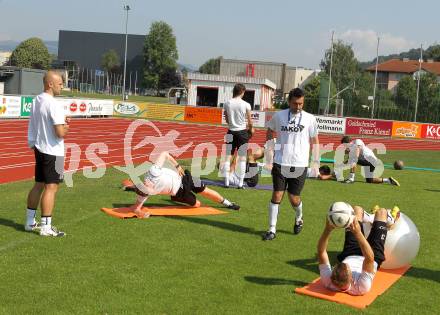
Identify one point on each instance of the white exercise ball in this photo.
(402, 243)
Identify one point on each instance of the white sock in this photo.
(226, 202)
(241, 172)
(298, 212)
(386, 180)
(30, 216)
(226, 171)
(368, 217)
(273, 216)
(351, 177)
(46, 222)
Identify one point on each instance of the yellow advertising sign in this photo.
(406, 130)
(150, 111)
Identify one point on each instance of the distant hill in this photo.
(9, 45)
(432, 52)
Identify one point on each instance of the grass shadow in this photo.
(423, 273)
(311, 264)
(218, 224)
(433, 190)
(274, 281)
(9, 223)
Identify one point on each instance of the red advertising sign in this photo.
(368, 127)
(73, 107)
(83, 107)
(431, 132)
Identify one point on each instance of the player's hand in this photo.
(181, 171)
(355, 227)
(67, 120)
(328, 226)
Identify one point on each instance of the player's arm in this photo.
(61, 130)
(269, 134)
(367, 251)
(166, 156)
(323, 243)
(225, 114)
(250, 127)
(315, 151)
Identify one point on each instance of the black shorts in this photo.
(369, 168)
(293, 182)
(49, 169)
(187, 190)
(238, 142)
(376, 239)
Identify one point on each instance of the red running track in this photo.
(17, 160)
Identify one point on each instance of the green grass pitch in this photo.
(204, 265)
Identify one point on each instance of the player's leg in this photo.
(230, 149)
(242, 143)
(295, 185)
(279, 186)
(216, 197)
(378, 235)
(34, 195)
(351, 245)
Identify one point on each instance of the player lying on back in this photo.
(361, 257)
(177, 183)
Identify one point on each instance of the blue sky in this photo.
(294, 32)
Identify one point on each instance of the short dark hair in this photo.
(345, 139)
(324, 170)
(238, 89)
(296, 92)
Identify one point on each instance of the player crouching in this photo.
(178, 184)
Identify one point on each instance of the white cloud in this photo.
(365, 41)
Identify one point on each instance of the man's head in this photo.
(346, 141)
(238, 90)
(341, 276)
(53, 83)
(325, 170)
(296, 100)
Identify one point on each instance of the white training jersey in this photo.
(164, 182)
(46, 112)
(294, 131)
(361, 280)
(365, 152)
(235, 110)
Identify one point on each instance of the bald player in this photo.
(46, 131)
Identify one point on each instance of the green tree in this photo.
(433, 52)
(212, 66)
(406, 93)
(110, 61)
(31, 53)
(160, 54)
(345, 66)
(429, 91)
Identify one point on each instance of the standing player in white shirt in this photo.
(296, 131)
(238, 117)
(47, 128)
(359, 153)
(361, 257)
(178, 184)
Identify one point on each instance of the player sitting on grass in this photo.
(178, 184)
(359, 153)
(361, 257)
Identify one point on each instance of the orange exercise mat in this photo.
(126, 213)
(382, 281)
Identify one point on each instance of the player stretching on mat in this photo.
(178, 184)
(361, 257)
(359, 153)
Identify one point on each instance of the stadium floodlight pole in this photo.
(126, 8)
(375, 78)
(330, 76)
(418, 81)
